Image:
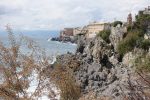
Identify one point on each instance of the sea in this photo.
(42, 38)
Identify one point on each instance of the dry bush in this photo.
(73, 64)
(64, 80)
(17, 69)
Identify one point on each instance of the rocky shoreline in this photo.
(64, 40)
(97, 68)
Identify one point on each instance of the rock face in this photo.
(81, 43)
(129, 58)
(117, 34)
(98, 69)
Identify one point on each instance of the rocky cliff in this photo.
(97, 69)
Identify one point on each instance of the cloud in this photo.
(57, 14)
(4, 10)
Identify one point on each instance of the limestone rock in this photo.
(117, 34)
(99, 70)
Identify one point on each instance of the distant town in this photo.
(92, 29)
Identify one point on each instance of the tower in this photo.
(129, 19)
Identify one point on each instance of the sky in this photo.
(57, 14)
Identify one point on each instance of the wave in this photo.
(69, 43)
(53, 60)
(49, 39)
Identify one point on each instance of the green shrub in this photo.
(145, 44)
(134, 38)
(128, 43)
(129, 28)
(116, 23)
(142, 22)
(135, 35)
(104, 35)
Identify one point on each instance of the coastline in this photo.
(64, 39)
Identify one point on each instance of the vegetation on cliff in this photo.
(105, 35)
(135, 35)
(114, 24)
(63, 78)
(129, 42)
(142, 22)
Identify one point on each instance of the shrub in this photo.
(116, 23)
(142, 22)
(64, 80)
(128, 43)
(145, 44)
(73, 64)
(104, 35)
(129, 28)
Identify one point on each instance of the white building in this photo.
(94, 28)
(76, 31)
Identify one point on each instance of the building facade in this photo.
(66, 33)
(94, 28)
(77, 31)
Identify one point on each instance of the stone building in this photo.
(95, 27)
(66, 33)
